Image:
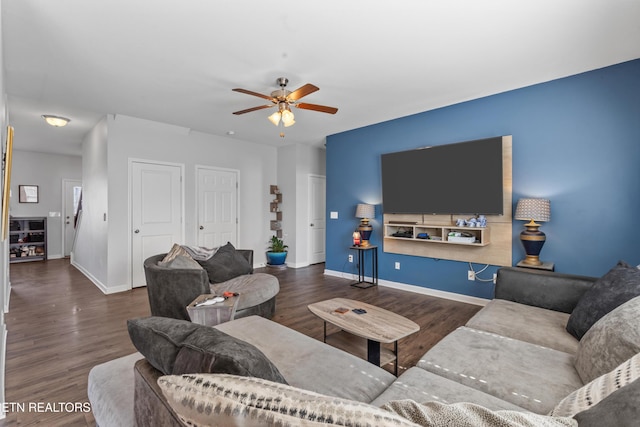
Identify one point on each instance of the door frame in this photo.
(197, 201)
(131, 161)
(63, 212)
(308, 228)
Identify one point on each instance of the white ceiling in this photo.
(176, 61)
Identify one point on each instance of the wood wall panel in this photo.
(498, 252)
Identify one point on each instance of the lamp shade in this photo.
(533, 210)
(365, 211)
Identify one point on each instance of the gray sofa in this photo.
(515, 354)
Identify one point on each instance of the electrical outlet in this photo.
(350, 258)
(471, 275)
(397, 266)
(495, 278)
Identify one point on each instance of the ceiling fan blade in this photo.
(302, 91)
(314, 107)
(248, 110)
(259, 95)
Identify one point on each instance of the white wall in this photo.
(90, 252)
(47, 172)
(295, 164)
(126, 138)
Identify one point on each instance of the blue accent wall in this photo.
(576, 141)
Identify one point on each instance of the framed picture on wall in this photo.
(28, 193)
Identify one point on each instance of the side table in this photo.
(212, 314)
(549, 266)
(362, 250)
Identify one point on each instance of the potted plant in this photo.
(276, 251)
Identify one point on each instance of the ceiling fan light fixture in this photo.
(288, 118)
(275, 118)
(55, 121)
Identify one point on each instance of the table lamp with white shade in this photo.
(532, 238)
(365, 212)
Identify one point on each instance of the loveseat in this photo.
(513, 360)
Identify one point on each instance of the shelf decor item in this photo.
(532, 238)
(365, 212)
(356, 238)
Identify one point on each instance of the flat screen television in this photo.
(462, 178)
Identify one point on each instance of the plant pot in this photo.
(276, 258)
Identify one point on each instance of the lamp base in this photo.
(365, 234)
(532, 260)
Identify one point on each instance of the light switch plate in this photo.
(333, 215)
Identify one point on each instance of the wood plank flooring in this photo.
(60, 325)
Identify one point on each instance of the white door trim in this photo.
(196, 202)
(131, 161)
(64, 211)
(307, 225)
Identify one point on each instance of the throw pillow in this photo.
(176, 250)
(182, 262)
(159, 339)
(435, 414)
(616, 287)
(228, 400)
(208, 350)
(602, 388)
(178, 346)
(620, 408)
(610, 341)
(226, 264)
(177, 258)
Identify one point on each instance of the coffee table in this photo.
(376, 326)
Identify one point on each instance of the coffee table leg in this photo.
(395, 349)
(373, 352)
(324, 338)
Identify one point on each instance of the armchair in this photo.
(170, 290)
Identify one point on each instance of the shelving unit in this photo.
(274, 207)
(27, 239)
(438, 234)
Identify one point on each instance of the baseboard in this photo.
(105, 289)
(55, 256)
(416, 289)
(288, 264)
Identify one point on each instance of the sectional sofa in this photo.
(514, 360)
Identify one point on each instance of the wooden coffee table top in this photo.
(377, 324)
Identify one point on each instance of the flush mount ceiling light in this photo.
(285, 99)
(56, 121)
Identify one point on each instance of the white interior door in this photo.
(156, 213)
(71, 192)
(217, 201)
(317, 218)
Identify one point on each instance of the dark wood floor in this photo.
(60, 325)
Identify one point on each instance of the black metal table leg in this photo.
(373, 352)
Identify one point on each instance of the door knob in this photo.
(136, 231)
(201, 227)
(312, 224)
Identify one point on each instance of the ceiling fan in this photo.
(284, 100)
